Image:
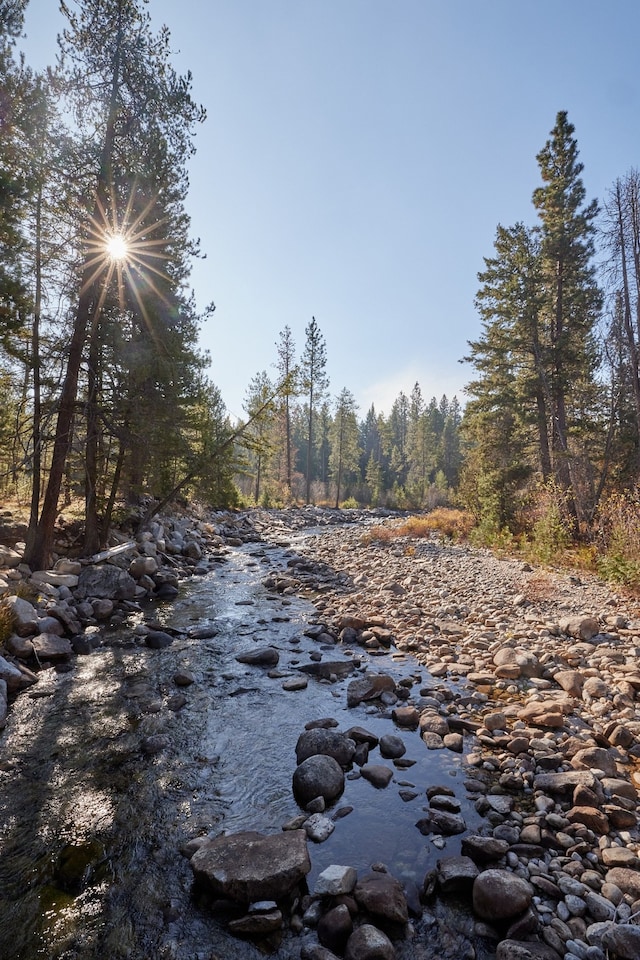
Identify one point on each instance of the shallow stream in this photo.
(104, 775)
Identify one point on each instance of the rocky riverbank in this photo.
(531, 688)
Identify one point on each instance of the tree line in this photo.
(105, 391)
(307, 446)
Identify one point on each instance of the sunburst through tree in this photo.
(122, 250)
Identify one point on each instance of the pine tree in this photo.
(314, 383)
(345, 452)
(573, 299)
(138, 120)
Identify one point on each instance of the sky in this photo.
(358, 156)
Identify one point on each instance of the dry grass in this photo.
(444, 522)
(539, 587)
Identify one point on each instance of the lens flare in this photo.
(117, 247)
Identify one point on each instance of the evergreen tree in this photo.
(573, 299)
(314, 383)
(259, 439)
(138, 119)
(288, 376)
(345, 452)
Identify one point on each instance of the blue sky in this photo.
(358, 156)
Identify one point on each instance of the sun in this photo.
(117, 247)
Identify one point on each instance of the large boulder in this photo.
(329, 743)
(317, 776)
(252, 866)
(369, 943)
(383, 897)
(500, 895)
(105, 581)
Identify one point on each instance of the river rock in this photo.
(4, 704)
(500, 895)
(330, 743)
(525, 950)
(582, 628)
(319, 828)
(392, 747)
(48, 646)
(369, 943)
(105, 581)
(15, 678)
(9, 557)
(377, 774)
(370, 687)
(335, 881)
(257, 922)
(24, 616)
(158, 639)
(626, 879)
(317, 776)
(456, 874)
(261, 657)
(595, 758)
(251, 866)
(335, 927)
(382, 895)
(484, 849)
(623, 940)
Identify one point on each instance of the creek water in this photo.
(104, 774)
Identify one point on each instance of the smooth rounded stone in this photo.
(432, 741)
(335, 880)
(54, 579)
(261, 657)
(250, 866)
(623, 940)
(295, 683)
(595, 758)
(495, 721)
(23, 614)
(591, 817)
(319, 828)
(456, 874)
(19, 647)
(158, 639)
(453, 742)
(183, 678)
(571, 682)
(335, 927)
(327, 742)
(392, 747)
(407, 717)
(444, 801)
(317, 776)
(626, 879)
(369, 943)
(599, 907)
(484, 849)
(594, 688)
(500, 895)
(377, 774)
(382, 895)
(615, 856)
(432, 722)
